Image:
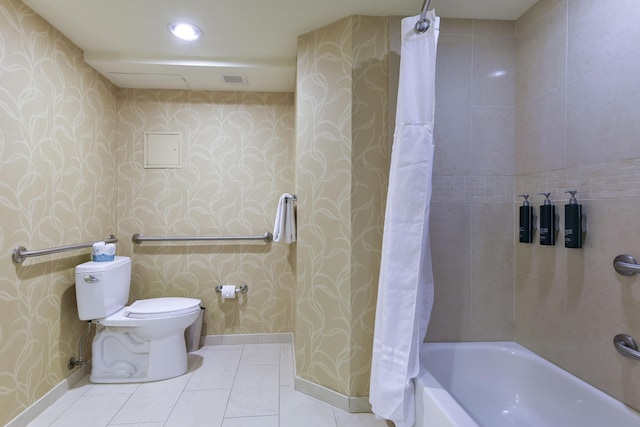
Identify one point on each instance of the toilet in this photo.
(137, 343)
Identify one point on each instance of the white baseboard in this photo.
(30, 414)
(339, 400)
(246, 339)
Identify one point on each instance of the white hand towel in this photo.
(284, 228)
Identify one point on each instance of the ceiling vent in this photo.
(237, 78)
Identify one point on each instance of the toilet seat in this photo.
(161, 307)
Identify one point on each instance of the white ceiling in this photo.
(128, 40)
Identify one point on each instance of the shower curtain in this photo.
(405, 289)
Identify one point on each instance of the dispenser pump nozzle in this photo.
(572, 200)
(546, 200)
(526, 199)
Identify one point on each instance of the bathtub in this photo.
(504, 384)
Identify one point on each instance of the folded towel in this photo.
(284, 228)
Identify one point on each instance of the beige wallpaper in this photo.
(57, 187)
(238, 151)
(342, 166)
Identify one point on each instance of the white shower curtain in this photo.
(405, 289)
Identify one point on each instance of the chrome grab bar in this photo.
(139, 238)
(20, 253)
(626, 346)
(626, 265)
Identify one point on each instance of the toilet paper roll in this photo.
(228, 291)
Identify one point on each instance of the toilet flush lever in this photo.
(90, 279)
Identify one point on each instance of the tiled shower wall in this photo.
(578, 97)
(473, 183)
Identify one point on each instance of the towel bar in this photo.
(139, 238)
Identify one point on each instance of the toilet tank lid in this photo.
(162, 305)
(96, 267)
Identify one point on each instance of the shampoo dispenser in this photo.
(547, 221)
(573, 222)
(526, 221)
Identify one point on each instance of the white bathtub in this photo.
(504, 384)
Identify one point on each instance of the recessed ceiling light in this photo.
(185, 30)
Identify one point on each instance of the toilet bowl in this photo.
(137, 343)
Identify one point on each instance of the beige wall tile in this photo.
(541, 133)
(616, 35)
(602, 123)
(452, 139)
(450, 226)
(493, 27)
(493, 146)
(541, 55)
(455, 61)
(494, 66)
(492, 271)
(575, 294)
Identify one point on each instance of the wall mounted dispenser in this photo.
(573, 226)
(547, 221)
(526, 221)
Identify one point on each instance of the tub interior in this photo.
(503, 384)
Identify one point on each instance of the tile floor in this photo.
(249, 385)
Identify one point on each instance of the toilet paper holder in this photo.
(239, 289)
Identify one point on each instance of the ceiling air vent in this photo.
(234, 78)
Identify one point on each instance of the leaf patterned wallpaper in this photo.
(342, 160)
(71, 168)
(57, 186)
(238, 160)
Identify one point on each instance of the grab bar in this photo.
(20, 253)
(626, 346)
(626, 265)
(139, 238)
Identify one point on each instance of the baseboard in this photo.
(246, 339)
(39, 406)
(339, 400)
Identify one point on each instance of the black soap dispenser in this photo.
(526, 221)
(573, 222)
(547, 221)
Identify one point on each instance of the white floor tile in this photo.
(255, 392)
(137, 425)
(287, 374)
(270, 421)
(94, 410)
(218, 370)
(296, 406)
(61, 405)
(198, 408)
(345, 419)
(147, 406)
(260, 354)
(248, 385)
(107, 389)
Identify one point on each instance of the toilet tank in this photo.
(102, 288)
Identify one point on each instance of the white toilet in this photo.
(138, 343)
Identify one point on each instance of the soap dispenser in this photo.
(573, 222)
(547, 221)
(526, 221)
